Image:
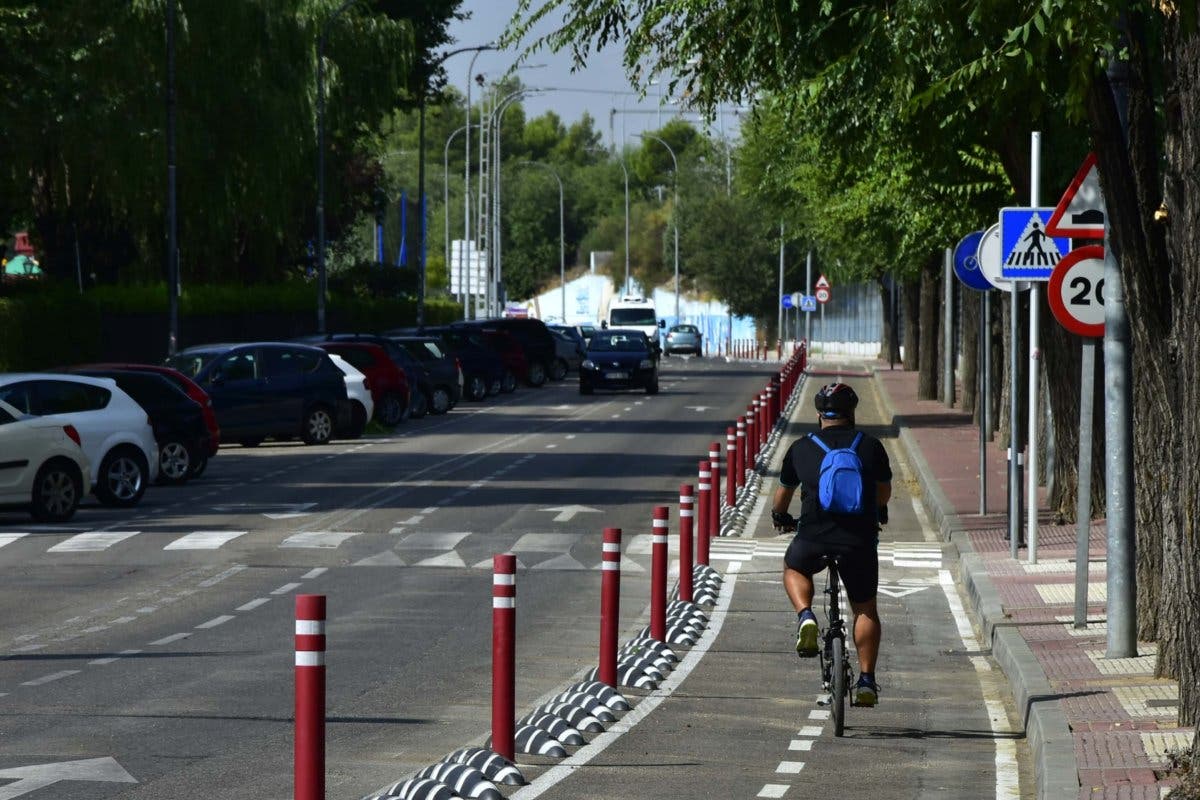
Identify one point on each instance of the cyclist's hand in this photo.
(783, 521)
(883, 515)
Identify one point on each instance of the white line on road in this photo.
(29, 648)
(253, 604)
(801, 744)
(54, 676)
(174, 637)
(215, 579)
(316, 572)
(429, 510)
(818, 713)
(810, 730)
(790, 767)
(215, 621)
(99, 662)
(287, 587)
(122, 620)
(91, 542)
(416, 519)
(204, 540)
(773, 790)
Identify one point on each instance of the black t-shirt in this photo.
(802, 468)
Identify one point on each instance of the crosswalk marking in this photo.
(545, 542)
(917, 555)
(92, 541)
(9, 538)
(204, 540)
(321, 540)
(450, 559)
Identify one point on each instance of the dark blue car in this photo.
(619, 358)
(483, 369)
(269, 389)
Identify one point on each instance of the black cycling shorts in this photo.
(858, 568)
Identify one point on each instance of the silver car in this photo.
(683, 339)
(568, 353)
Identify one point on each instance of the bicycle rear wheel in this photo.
(838, 688)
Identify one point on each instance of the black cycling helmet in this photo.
(836, 401)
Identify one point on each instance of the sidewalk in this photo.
(1097, 727)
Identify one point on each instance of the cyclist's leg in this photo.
(860, 575)
(800, 563)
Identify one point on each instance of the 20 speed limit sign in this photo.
(823, 295)
(1076, 291)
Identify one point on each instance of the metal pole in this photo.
(446, 205)
(1083, 506)
(321, 182)
(948, 328)
(1014, 426)
(1031, 459)
(979, 399)
(808, 293)
(779, 328)
(172, 209)
(465, 252)
(988, 426)
(625, 172)
(674, 211)
(1118, 439)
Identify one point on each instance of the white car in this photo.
(114, 430)
(42, 466)
(358, 392)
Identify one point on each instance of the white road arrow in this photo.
(900, 591)
(268, 510)
(699, 409)
(567, 513)
(39, 776)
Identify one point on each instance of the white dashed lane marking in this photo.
(174, 637)
(54, 676)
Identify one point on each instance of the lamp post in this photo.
(464, 253)
(321, 162)
(674, 211)
(562, 250)
(446, 208)
(497, 117)
(625, 173)
(172, 210)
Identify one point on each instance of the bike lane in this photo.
(747, 720)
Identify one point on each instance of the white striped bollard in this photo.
(686, 502)
(658, 574)
(309, 753)
(703, 505)
(504, 653)
(714, 496)
(741, 452)
(610, 604)
(730, 466)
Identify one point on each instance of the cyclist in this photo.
(852, 537)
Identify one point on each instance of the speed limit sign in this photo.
(1076, 291)
(823, 295)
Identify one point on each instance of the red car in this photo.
(387, 382)
(192, 390)
(511, 353)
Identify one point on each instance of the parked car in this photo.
(570, 349)
(177, 420)
(483, 369)
(191, 389)
(358, 393)
(415, 373)
(445, 377)
(388, 382)
(271, 389)
(619, 358)
(683, 338)
(114, 431)
(534, 338)
(43, 467)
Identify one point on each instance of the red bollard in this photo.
(610, 604)
(658, 574)
(703, 505)
(741, 452)
(686, 500)
(714, 458)
(751, 433)
(730, 466)
(714, 505)
(772, 404)
(504, 653)
(309, 752)
(764, 419)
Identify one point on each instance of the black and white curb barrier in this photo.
(575, 716)
(646, 641)
(495, 767)
(589, 703)
(465, 780)
(607, 695)
(418, 789)
(555, 727)
(536, 742)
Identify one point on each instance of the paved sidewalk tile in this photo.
(1122, 720)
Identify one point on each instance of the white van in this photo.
(637, 313)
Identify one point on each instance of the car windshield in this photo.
(190, 364)
(618, 343)
(632, 316)
(684, 329)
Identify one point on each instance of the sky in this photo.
(596, 89)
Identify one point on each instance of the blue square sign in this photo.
(1027, 252)
(808, 302)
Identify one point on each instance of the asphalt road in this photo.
(156, 642)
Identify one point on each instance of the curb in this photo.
(1045, 722)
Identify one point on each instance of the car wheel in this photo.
(57, 490)
(251, 442)
(420, 404)
(121, 478)
(198, 466)
(390, 411)
(537, 374)
(585, 389)
(318, 426)
(358, 421)
(652, 388)
(439, 400)
(174, 462)
(495, 386)
(558, 370)
(476, 388)
(509, 383)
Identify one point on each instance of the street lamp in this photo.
(464, 253)
(674, 211)
(446, 208)
(321, 163)
(495, 121)
(172, 210)
(562, 251)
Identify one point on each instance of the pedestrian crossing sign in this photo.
(1028, 253)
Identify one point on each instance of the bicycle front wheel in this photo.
(838, 689)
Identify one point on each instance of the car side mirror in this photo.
(662, 323)
(604, 326)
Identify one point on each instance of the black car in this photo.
(483, 368)
(619, 358)
(534, 338)
(177, 420)
(442, 374)
(269, 389)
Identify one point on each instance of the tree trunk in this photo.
(890, 345)
(910, 311)
(931, 304)
(971, 310)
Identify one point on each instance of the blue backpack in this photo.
(840, 488)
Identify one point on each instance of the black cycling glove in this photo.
(782, 519)
(883, 515)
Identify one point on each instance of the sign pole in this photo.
(1083, 506)
(1031, 459)
(986, 416)
(981, 400)
(1014, 425)
(808, 291)
(947, 329)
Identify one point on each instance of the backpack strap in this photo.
(821, 444)
(857, 440)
